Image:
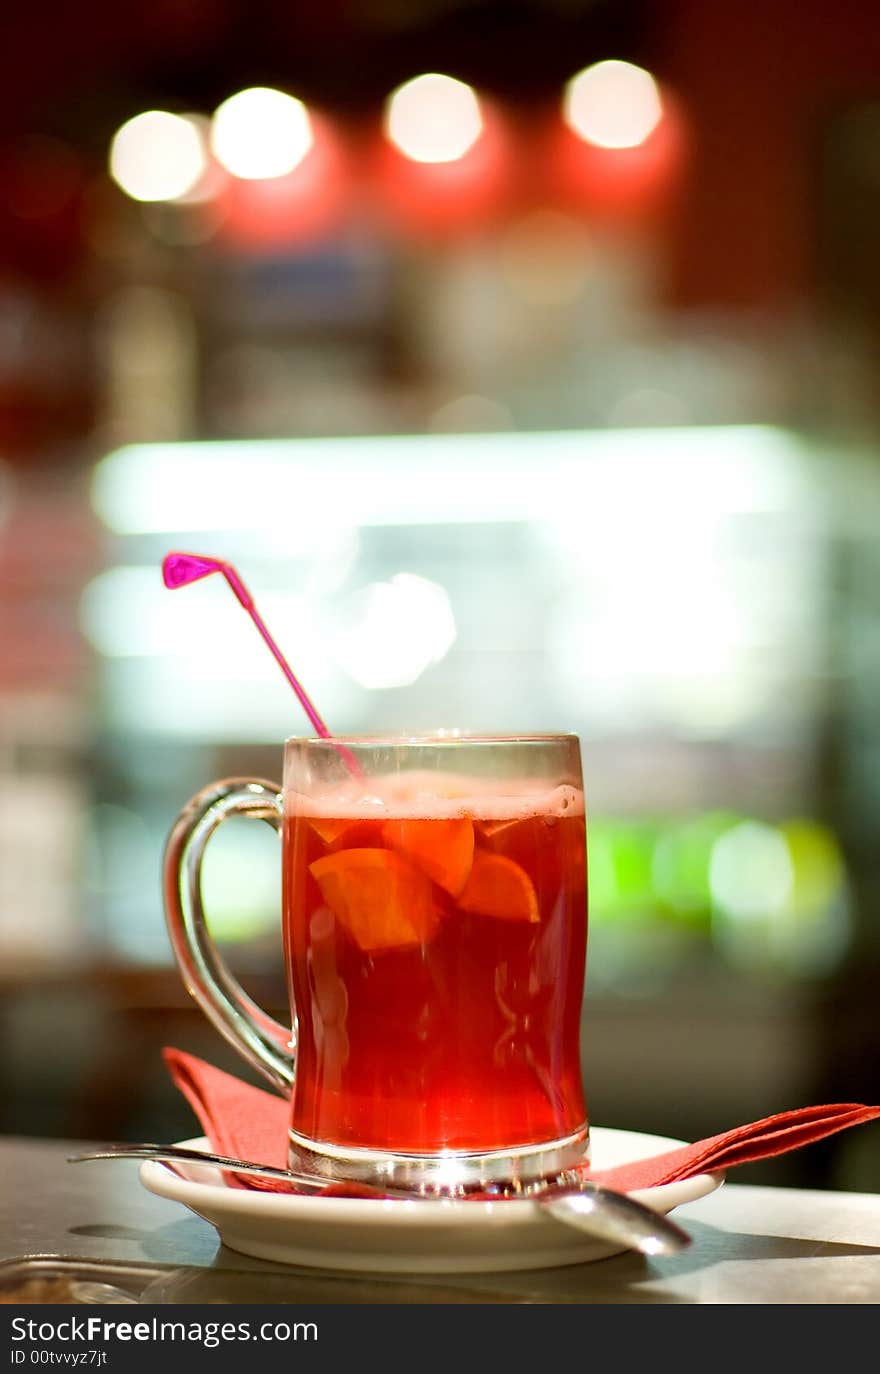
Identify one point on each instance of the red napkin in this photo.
(251, 1124)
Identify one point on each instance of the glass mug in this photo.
(434, 908)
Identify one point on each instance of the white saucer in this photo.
(360, 1235)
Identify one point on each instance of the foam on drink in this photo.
(439, 796)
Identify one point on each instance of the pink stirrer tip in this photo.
(179, 569)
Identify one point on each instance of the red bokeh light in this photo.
(443, 200)
(307, 203)
(614, 183)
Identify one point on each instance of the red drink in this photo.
(436, 941)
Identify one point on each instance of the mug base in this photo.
(446, 1171)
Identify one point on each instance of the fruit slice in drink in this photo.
(382, 900)
(348, 833)
(330, 830)
(443, 849)
(499, 887)
(491, 828)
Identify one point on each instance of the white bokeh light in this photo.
(400, 628)
(261, 133)
(433, 118)
(157, 156)
(612, 104)
(750, 872)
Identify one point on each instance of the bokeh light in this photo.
(308, 202)
(751, 874)
(399, 628)
(780, 898)
(433, 118)
(261, 133)
(680, 865)
(157, 156)
(612, 105)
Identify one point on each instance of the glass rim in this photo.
(429, 738)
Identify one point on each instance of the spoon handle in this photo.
(182, 1154)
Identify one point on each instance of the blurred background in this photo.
(525, 360)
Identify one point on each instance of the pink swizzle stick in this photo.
(179, 569)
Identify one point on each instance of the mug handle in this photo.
(267, 1046)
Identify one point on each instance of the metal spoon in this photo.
(102, 1293)
(579, 1202)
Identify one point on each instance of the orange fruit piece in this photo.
(444, 849)
(490, 828)
(351, 831)
(382, 900)
(330, 830)
(499, 887)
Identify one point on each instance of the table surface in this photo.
(750, 1245)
